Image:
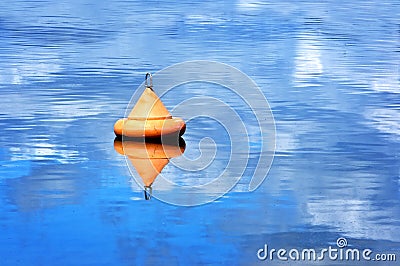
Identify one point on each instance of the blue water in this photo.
(68, 69)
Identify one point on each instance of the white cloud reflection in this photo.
(44, 151)
(30, 64)
(308, 64)
(384, 120)
(355, 218)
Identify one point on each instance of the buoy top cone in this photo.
(149, 118)
(149, 107)
(149, 169)
(149, 159)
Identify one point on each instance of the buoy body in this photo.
(149, 118)
(149, 158)
(149, 128)
(149, 150)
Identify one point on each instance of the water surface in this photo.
(330, 72)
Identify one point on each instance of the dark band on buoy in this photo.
(150, 83)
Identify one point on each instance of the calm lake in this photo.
(68, 69)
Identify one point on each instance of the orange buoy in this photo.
(149, 158)
(149, 118)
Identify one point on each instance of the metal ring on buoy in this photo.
(148, 190)
(150, 84)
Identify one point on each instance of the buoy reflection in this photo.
(149, 157)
